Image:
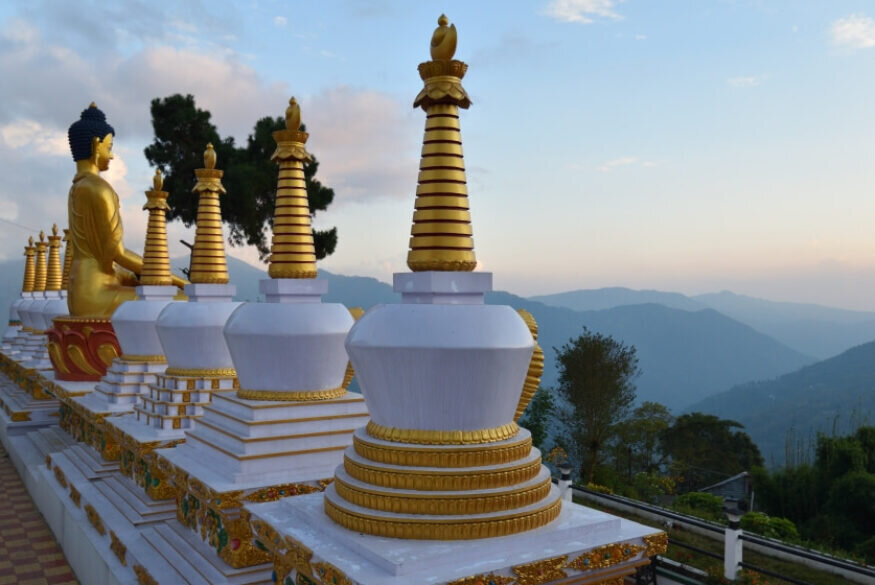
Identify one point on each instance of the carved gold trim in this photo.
(291, 396)
(143, 576)
(75, 496)
(328, 573)
(232, 398)
(95, 519)
(441, 437)
(410, 479)
(542, 571)
(657, 543)
(436, 529)
(605, 556)
(491, 579)
(151, 359)
(118, 548)
(443, 457)
(443, 504)
(21, 416)
(202, 373)
(60, 477)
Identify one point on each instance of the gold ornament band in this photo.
(443, 457)
(440, 437)
(443, 504)
(292, 395)
(29, 267)
(208, 264)
(469, 479)
(432, 529)
(53, 272)
(151, 359)
(202, 373)
(39, 282)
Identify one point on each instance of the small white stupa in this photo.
(198, 361)
(284, 431)
(15, 334)
(132, 374)
(34, 342)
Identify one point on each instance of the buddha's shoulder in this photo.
(91, 185)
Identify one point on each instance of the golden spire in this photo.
(29, 273)
(208, 264)
(441, 234)
(53, 275)
(292, 254)
(68, 260)
(156, 258)
(39, 282)
(536, 367)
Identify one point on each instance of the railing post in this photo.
(732, 546)
(565, 483)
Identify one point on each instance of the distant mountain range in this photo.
(814, 330)
(830, 396)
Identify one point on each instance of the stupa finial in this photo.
(443, 41)
(208, 263)
(441, 234)
(54, 275)
(29, 269)
(39, 282)
(156, 258)
(292, 252)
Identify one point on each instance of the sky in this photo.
(691, 146)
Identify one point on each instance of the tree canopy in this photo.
(596, 375)
(182, 131)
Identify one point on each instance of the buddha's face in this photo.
(103, 152)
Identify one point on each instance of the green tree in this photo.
(705, 449)
(596, 375)
(636, 447)
(538, 417)
(182, 131)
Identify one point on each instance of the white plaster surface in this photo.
(56, 307)
(289, 346)
(134, 321)
(441, 366)
(373, 560)
(453, 288)
(191, 333)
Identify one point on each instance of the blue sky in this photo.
(689, 146)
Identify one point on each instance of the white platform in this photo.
(371, 560)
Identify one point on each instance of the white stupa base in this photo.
(20, 412)
(246, 450)
(369, 560)
(174, 402)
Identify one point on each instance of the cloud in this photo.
(582, 11)
(280, 21)
(617, 162)
(856, 31)
(750, 81)
(365, 141)
(640, 37)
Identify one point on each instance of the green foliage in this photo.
(770, 527)
(636, 447)
(705, 449)
(182, 131)
(596, 376)
(701, 505)
(539, 416)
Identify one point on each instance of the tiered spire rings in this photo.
(208, 264)
(68, 260)
(39, 282)
(292, 253)
(29, 270)
(441, 237)
(53, 275)
(156, 258)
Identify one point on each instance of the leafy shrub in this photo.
(702, 505)
(770, 527)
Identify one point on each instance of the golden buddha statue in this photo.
(104, 272)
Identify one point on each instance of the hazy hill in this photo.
(810, 329)
(823, 397)
(685, 355)
(608, 298)
(814, 329)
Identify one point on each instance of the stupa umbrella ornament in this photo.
(54, 303)
(32, 311)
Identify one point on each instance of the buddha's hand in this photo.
(178, 281)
